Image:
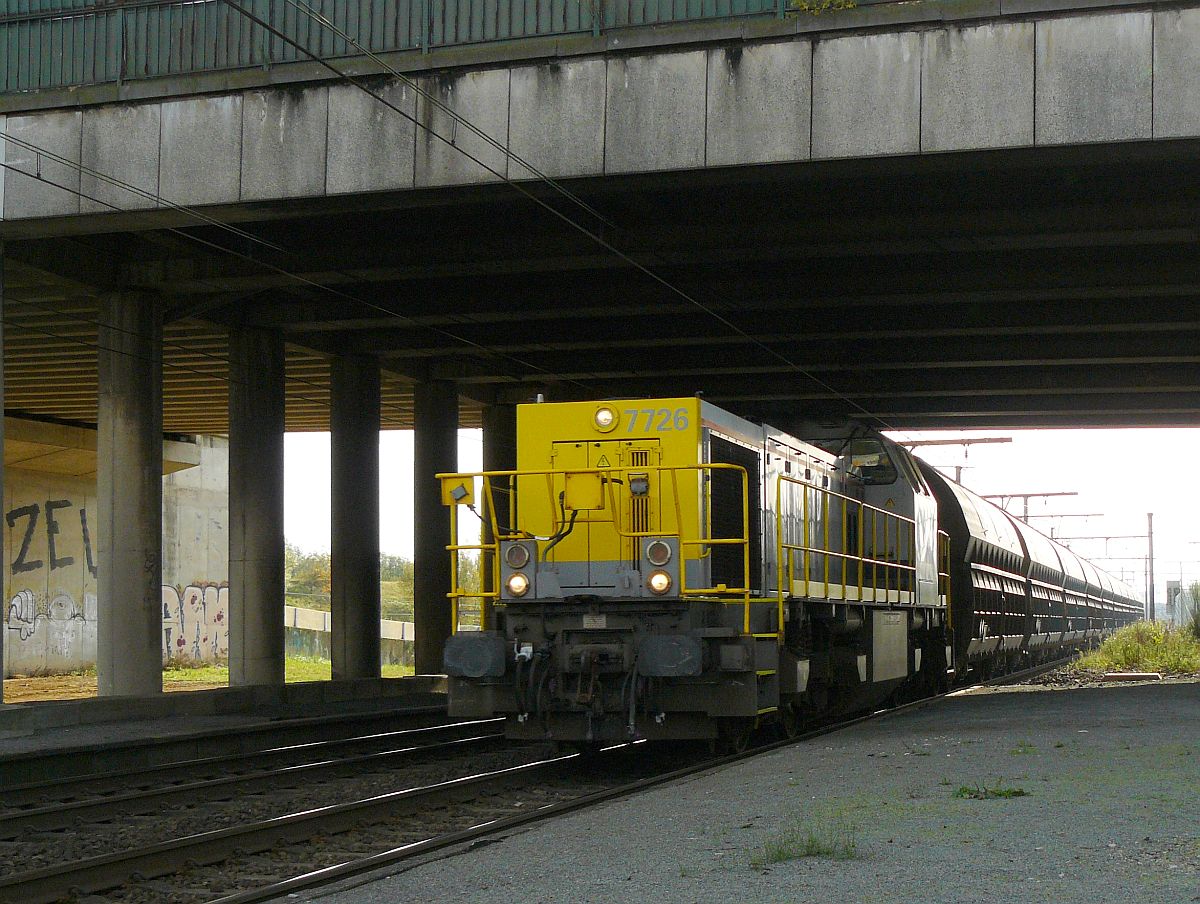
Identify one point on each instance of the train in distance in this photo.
(663, 569)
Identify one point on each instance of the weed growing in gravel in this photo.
(836, 840)
(1146, 646)
(984, 792)
(1023, 747)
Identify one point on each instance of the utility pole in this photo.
(979, 440)
(966, 443)
(1005, 497)
(1150, 561)
(1029, 518)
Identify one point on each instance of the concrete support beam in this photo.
(435, 450)
(499, 454)
(354, 424)
(129, 496)
(256, 408)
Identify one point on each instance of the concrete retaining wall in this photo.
(1099, 76)
(308, 632)
(49, 615)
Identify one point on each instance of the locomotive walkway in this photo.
(1109, 779)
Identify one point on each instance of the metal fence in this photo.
(62, 43)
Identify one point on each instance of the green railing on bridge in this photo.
(64, 43)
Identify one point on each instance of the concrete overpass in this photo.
(918, 214)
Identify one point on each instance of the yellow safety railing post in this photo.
(845, 541)
(825, 541)
(804, 554)
(454, 572)
(746, 546)
(861, 546)
(783, 567)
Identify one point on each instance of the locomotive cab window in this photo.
(871, 463)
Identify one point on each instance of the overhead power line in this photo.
(554, 211)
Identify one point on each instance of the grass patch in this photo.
(1022, 748)
(295, 668)
(985, 792)
(1145, 647)
(836, 841)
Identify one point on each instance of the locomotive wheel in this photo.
(789, 721)
(735, 735)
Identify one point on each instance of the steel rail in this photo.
(95, 785)
(347, 870)
(61, 815)
(107, 871)
(49, 884)
(133, 756)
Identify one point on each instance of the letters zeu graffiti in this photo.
(31, 515)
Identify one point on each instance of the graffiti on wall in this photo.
(196, 621)
(28, 516)
(50, 615)
(25, 614)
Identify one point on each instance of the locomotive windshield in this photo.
(870, 462)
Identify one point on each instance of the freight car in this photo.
(664, 569)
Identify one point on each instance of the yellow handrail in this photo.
(703, 543)
(905, 536)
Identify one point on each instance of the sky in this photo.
(1120, 476)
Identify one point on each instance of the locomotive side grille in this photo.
(639, 506)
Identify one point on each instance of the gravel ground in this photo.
(1110, 812)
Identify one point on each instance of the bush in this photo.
(1146, 647)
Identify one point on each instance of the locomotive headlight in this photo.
(518, 584)
(658, 553)
(605, 419)
(659, 582)
(517, 556)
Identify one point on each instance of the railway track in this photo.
(48, 806)
(136, 755)
(263, 857)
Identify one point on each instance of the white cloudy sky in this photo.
(1122, 474)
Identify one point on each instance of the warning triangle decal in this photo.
(603, 462)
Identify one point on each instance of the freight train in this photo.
(663, 569)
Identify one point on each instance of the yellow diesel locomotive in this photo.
(664, 569)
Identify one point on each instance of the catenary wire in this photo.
(40, 152)
(583, 229)
(311, 283)
(431, 98)
(226, 377)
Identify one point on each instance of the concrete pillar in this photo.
(129, 496)
(435, 450)
(256, 409)
(354, 424)
(499, 454)
(3, 594)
